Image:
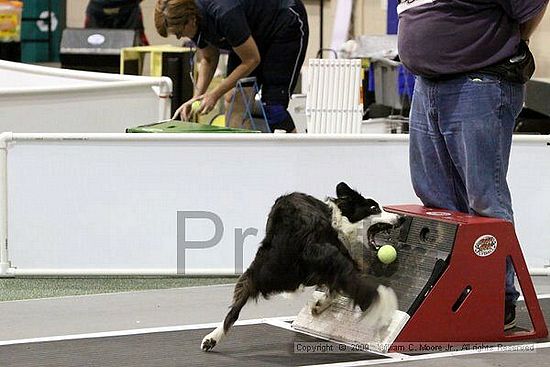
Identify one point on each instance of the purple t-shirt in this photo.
(439, 37)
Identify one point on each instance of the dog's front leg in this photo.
(322, 300)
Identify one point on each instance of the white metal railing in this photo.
(333, 98)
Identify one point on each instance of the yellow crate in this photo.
(138, 53)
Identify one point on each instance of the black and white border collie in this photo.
(305, 245)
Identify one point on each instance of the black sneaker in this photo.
(287, 125)
(509, 315)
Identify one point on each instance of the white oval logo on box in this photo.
(96, 39)
(485, 245)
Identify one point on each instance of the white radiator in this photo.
(333, 104)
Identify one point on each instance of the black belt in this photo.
(517, 69)
(443, 77)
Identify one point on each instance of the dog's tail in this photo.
(244, 289)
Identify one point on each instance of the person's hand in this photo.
(185, 111)
(208, 103)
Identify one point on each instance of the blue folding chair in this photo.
(249, 102)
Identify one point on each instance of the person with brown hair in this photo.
(265, 38)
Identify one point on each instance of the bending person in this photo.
(266, 39)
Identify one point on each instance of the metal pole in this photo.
(49, 18)
(322, 5)
(5, 138)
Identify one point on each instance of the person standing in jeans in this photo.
(471, 60)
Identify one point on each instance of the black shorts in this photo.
(282, 58)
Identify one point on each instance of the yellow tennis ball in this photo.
(195, 107)
(387, 254)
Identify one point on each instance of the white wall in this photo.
(105, 204)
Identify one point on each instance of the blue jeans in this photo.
(460, 139)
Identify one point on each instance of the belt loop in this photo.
(287, 3)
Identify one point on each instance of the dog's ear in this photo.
(343, 190)
(353, 205)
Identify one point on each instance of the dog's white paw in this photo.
(212, 339)
(321, 301)
(380, 313)
(208, 344)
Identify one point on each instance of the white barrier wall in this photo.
(48, 100)
(105, 203)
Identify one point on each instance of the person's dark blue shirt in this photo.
(229, 23)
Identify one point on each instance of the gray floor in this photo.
(114, 312)
(252, 347)
(134, 310)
